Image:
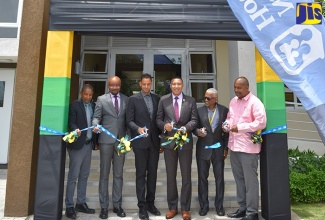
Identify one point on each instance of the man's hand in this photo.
(96, 130)
(78, 132)
(142, 131)
(234, 128)
(201, 132)
(225, 154)
(161, 150)
(168, 127)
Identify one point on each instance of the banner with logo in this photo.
(290, 35)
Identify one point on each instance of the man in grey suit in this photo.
(80, 114)
(110, 113)
(140, 115)
(209, 132)
(180, 109)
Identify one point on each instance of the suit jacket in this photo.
(137, 115)
(188, 117)
(106, 116)
(212, 137)
(78, 119)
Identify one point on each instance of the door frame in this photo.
(148, 62)
(7, 75)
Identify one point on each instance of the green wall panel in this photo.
(55, 103)
(56, 91)
(55, 117)
(272, 95)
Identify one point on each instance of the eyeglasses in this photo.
(208, 98)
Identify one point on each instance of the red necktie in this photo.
(176, 110)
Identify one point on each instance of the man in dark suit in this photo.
(182, 111)
(209, 132)
(141, 115)
(110, 113)
(80, 114)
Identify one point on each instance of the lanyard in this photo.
(211, 119)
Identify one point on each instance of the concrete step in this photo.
(129, 194)
(303, 134)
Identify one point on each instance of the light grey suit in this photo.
(106, 116)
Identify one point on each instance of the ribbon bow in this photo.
(180, 138)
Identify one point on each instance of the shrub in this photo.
(307, 176)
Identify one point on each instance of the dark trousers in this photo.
(203, 166)
(185, 160)
(146, 164)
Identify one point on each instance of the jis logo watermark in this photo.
(297, 48)
(309, 13)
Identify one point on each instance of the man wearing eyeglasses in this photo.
(209, 132)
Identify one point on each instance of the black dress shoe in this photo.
(220, 212)
(143, 214)
(119, 211)
(153, 210)
(250, 217)
(103, 214)
(203, 212)
(70, 213)
(238, 214)
(83, 207)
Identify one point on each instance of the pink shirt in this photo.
(249, 115)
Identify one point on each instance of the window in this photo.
(201, 63)
(94, 62)
(291, 99)
(198, 89)
(202, 74)
(10, 18)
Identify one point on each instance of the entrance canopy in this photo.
(189, 19)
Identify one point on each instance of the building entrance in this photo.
(164, 59)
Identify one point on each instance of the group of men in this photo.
(148, 114)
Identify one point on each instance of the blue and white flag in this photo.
(290, 35)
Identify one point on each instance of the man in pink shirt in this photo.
(246, 114)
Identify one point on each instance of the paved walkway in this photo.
(130, 214)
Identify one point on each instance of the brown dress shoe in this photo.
(171, 213)
(186, 215)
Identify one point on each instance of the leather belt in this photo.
(88, 142)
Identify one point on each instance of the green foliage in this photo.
(307, 176)
(323, 6)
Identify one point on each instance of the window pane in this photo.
(202, 63)
(7, 32)
(198, 90)
(2, 92)
(8, 11)
(94, 63)
(98, 86)
(129, 67)
(166, 67)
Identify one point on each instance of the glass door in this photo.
(129, 66)
(167, 64)
(163, 65)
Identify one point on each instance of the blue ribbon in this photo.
(49, 130)
(107, 132)
(216, 145)
(279, 128)
(141, 135)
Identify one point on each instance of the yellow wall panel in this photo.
(264, 73)
(59, 49)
